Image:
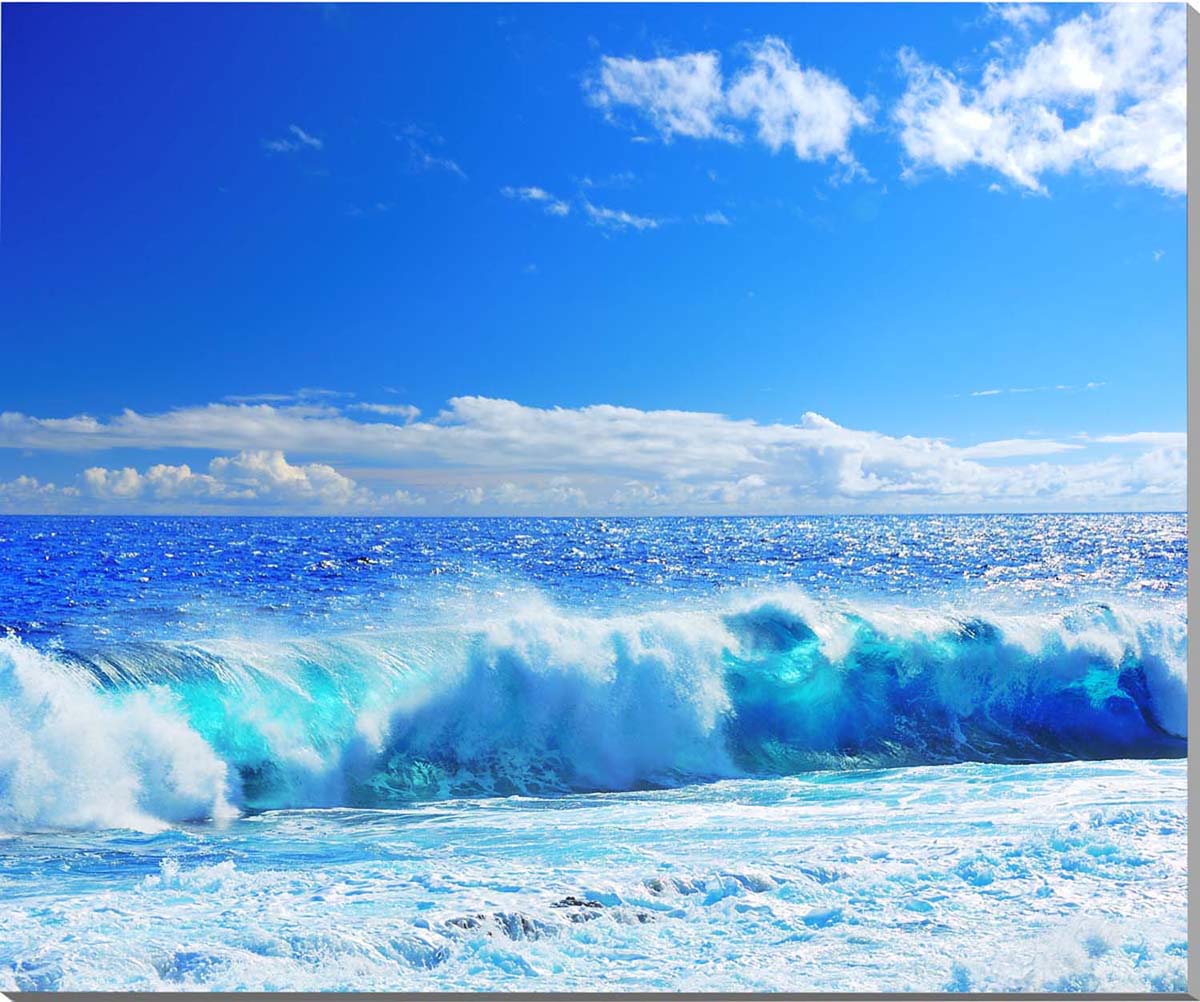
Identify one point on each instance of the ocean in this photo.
(747, 754)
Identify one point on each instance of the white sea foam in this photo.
(1017, 878)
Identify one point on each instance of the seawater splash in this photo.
(74, 755)
(542, 701)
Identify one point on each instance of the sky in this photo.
(627, 259)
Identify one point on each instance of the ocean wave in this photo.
(543, 701)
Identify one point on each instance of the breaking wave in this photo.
(544, 701)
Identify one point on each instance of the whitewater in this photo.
(870, 754)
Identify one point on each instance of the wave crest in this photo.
(545, 701)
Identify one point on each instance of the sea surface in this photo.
(804, 754)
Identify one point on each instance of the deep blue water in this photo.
(80, 579)
(771, 752)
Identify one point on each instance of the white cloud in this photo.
(619, 219)
(127, 482)
(262, 479)
(601, 458)
(812, 113)
(28, 494)
(293, 143)
(717, 218)
(786, 104)
(551, 204)
(1104, 91)
(681, 96)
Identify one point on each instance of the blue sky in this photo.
(586, 258)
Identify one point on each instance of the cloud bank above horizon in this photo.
(489, 456)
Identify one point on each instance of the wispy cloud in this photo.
(1117, 74)
(601, 216)
(619, 219)
(1058, 388)
(374, 209)
(422, 159)
(1158, 439)
(601, 458)
(552, 205)
(1010, 448)
(305, 393)
(297, 140)
(621, 179)
(1020, 15)
(406, 411)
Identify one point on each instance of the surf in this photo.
(539, 700)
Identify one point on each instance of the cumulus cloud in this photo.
(261, 479)
(552, 205)
(775, 98)
(500, 455)
(262, 475)
(1105, 91)
(28, 494)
